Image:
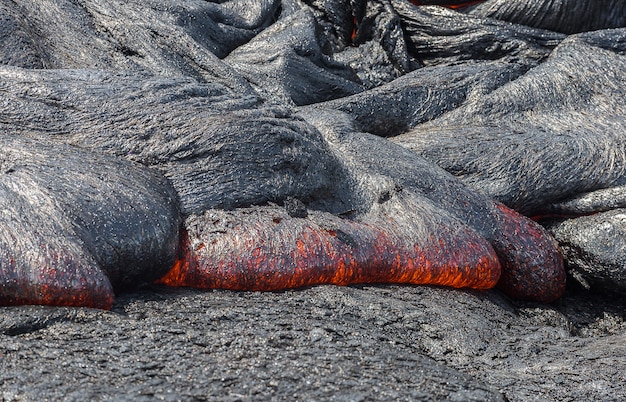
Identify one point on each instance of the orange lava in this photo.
(57, 280)
(295, 252)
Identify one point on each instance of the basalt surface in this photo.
(282, 144)
(321, 343)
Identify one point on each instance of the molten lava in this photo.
(265, 253)
(264, 249)
(57, 280)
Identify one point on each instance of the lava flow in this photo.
(532, 265)
(273, 251)
(56, 279)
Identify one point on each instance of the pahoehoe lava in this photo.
(242, 146)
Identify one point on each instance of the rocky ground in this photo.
(321, 343)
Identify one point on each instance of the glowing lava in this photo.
(269, 250)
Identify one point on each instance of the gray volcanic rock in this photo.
(555, 132)
(323, 343)
(190, 131)
(594, 248)
(438, 36)
(567, 16)
(420, 96)
(169, 38)
(601, 200)
(286, 63)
